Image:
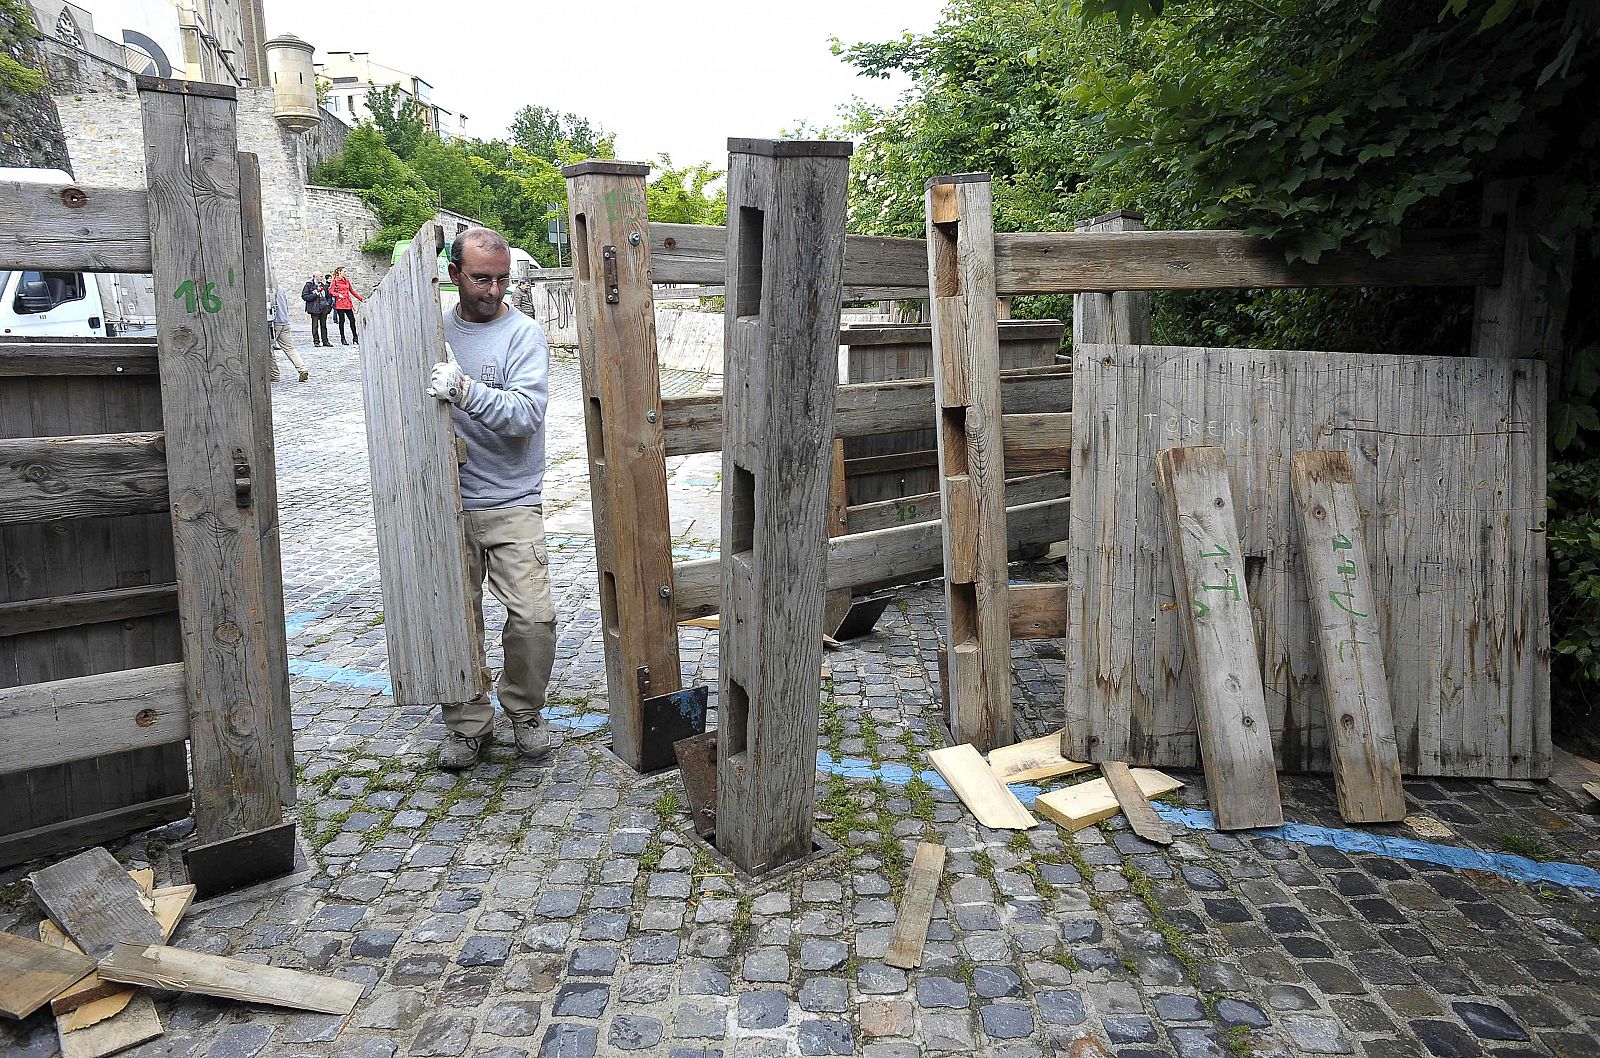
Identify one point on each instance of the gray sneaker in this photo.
(458, 752)
(533, 740)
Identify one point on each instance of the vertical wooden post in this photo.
(1120, 318)
(785, 279)
(627, 450)
(838, 600)
(966, 380)
(202, 330)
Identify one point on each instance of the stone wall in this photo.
(74, 70)
(30, 130)
(335, 225)
(321, 143)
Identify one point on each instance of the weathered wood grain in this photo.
(1037, 611)
(1034, 758)
(93, 901)
(910, 932)
(429, 625)
(989, 800)
(627, 450)
(925, 507)
(1087, 803)
(47, 478)
(192, 165)
(31, 972)
(1037, 443)
(785, 264)
(1450, 474)
(972, 466)
(36, 359)
(89, 716)
(1208, 577)
(1120, 318)
(90, 607)
(1366, 760)
(166, 904)
(70, 227)
(179, 970)
(137, 1023)
(1142, 819)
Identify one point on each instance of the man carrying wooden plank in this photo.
(497, 379)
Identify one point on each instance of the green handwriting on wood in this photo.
(196, 298)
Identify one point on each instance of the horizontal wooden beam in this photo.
(903, 554)
(80, 831)
(46, 478)
(856, 335)
(694, 424)
(108, 357)
(72, 228)
(925, 507)
(1037, 442)
(86, 608)
(1038, 611)
(91, 716)
(1070, 262)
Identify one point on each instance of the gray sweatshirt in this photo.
(503, 421)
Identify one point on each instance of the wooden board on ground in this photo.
(435, 647)
(985, 796)
(1208, 577)
(31, 972)
(916, 907)
(1134, 804)
(1086, 804)
(136, 1023)
(167, 904)
(1037, 758)
(178, 970)
(1366, 760)
(1449, 468)
(94, 902)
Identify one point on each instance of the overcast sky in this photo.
(665, 77)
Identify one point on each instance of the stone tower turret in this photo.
(293, 82)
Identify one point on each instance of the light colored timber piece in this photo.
(616, 324)
(90, 716)
(1033, 759)
(1214, 609)
(1038, 611)
(137, 1023)
(46, 478)
(170, 903)
(94, 356)
(72, 227)
(1134, 804)
(714, 621)
(435, 647)
(1572, 775)
(1594, 789)
(1366, 758)
(972, 466)
(180, 970)
(94, 902)
(31, 972)
(925, 507)
(836, 603)
(1087, 803)
(910, 932)
(236, 738)
(985, 796)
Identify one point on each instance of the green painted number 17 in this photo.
(190, 293)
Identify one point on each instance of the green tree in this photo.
(399, 118)
(554, 135)
(17, 34)
(679, 196)
(402, 200)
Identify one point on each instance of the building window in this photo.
(67, 29)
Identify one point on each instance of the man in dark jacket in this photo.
(318, 304)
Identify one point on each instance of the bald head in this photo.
(479, 239)
(480, 266)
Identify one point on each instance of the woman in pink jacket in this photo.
(344, 304)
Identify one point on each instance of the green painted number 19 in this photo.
(189, 292)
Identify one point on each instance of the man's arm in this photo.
(518, 409)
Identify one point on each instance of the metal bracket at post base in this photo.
(669, 718)
(240, 861)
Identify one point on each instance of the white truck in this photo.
(42, 303)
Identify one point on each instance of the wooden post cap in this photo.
(792, 148)
(606, 167)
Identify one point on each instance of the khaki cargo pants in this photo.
(507, 547)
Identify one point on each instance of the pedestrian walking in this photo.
(278, 319)
(318, 304)
(344, 305)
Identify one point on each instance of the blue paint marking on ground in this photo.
(1517, 868)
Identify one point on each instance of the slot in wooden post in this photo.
(627, 450)
(966, 375)
(785, 275)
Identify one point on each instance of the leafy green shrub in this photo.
(1574, 554)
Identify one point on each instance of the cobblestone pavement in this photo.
(564, 909)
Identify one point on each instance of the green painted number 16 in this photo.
(188, 290)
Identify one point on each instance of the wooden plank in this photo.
(910, 932)
(1037, 443)
(1366, 758)
(986, 797)
(972, 462)
(46, 478)
(785, 262)
(1087, 803)
(34, 359)
(193, 172)
(1033, 759)
(836, 604)
(627, 451)
(1123, 317)
(31, 972)
(93, 901)
(1037, 611)
(88, 716)
(23, 845)
(238, 860)
(925, 507)
(430, 629)
(167, 905)
(870, 334)
(69, 227)
(1071, 262)
(91, 607)
(696, 253)
(1214, 609)
(179, 970)
(1134, 804)
(694, 423)
(137, 1023)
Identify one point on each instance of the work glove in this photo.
(449, 382)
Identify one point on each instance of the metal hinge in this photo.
(241, 478)
(608, 255)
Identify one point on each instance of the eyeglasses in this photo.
(490, 281)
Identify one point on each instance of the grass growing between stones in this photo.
(1523, 843)
(1177, 943)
